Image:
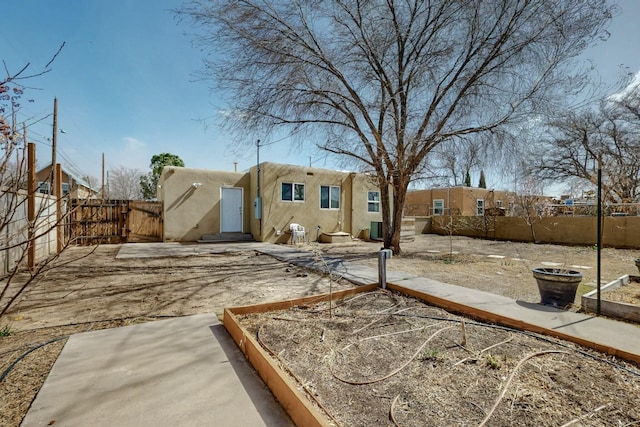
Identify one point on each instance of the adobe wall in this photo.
(191, 212)
(457, 200)
(619, 232)
(351, 217)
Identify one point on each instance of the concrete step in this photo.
(408, 227)
(226, 237)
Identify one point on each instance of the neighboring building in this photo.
(198, 202)
(75, 187)
(460, 201)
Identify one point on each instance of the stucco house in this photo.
(200, 202)
(460, 201)
(75, 187)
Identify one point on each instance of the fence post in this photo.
(58, 194)
(31, 204)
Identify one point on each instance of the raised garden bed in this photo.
(619, 299)
(375, 357)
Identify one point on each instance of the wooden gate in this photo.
(144, 222)
(93, 221)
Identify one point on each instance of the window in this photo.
(329, 197)
(292, 192)
(373, 201)
(43, 187)
(498, 203)
(480, 207)
(438, 207)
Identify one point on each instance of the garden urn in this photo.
(557, 286)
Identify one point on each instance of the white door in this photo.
(231, 210)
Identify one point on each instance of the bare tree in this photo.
(124, 184)
(458, 157)
(529, 203)
(385, 82)
(17, 233)
(91, 181)
(573, 143)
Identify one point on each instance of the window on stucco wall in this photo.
(438, 207)
(373, 201)
(292, 192)
(329, 197)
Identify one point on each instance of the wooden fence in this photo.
(114, 221)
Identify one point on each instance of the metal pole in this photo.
(54, 149)
(382, 270)
(599, 229)
(258, 188)
(383, 256)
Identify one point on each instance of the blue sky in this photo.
(125, 84)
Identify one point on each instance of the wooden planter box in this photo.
(297, 404)
(286, 391)
(615, 309)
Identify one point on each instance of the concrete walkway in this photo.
(187, 371)
(178, 372)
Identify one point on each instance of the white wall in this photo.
(14, 229)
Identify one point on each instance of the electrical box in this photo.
(257, 204)
(375, 232)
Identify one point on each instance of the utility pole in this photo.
(102, 176)
(54, 146)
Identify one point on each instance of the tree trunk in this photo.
(385, 200)
(392, 221)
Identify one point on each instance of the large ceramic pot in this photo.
(557, 287)
(638, 263)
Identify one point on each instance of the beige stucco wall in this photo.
(619, 232)
(460, 200)
(277, 215)
(190, 212)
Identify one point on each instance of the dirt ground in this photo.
(91, 291)
(381, 359)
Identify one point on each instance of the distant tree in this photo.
(467, 179)
(483, 182)
(529, 203)
(384, 83)
(124, 184)
(91, 181)
(457, 156)
(149, 183)
(573, 142)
